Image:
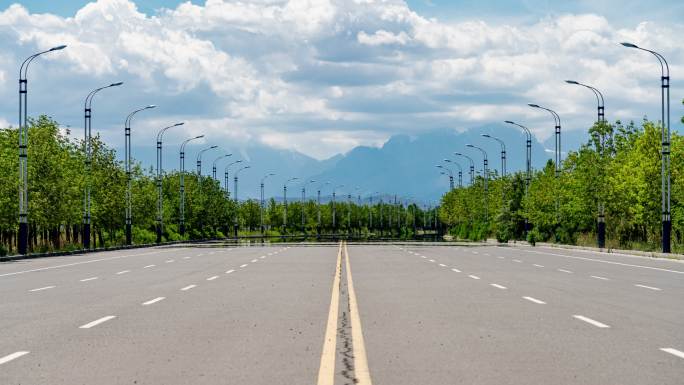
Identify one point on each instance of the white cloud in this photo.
(321, 76)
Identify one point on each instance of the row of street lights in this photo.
(666, 219)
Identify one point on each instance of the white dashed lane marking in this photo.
(591, 321)
(537, 301)
(496, 285)
(565, 271)
(97, 322)
(474, 276)
(148, 266)
(212, 278)
(243, 266)
(230, 271)
(649, 287)
(12, 356)
(536, 265)
(89, 279)
(43, 288)
(123, 272)
(150, 302)
(456, 270)
(601, 278)
(188, 287)
(673, 351)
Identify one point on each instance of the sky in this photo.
(323, 76)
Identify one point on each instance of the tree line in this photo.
(56, 169)
(618, 168)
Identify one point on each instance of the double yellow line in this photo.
(326, 373)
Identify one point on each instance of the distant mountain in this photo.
(404, 165)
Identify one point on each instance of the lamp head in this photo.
(469, 145)
(213, 147)
(486, 135)
(439, 166)
(179, 124)
(116, 84)
(199, 137)
(447, 160)
(58, 48)
(533, 105)
(150, 106)
(509, 121)
(629, 45)
(571, 82)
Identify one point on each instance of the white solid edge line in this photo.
(150, 302)
(673, 351)
(599, 277)
(12, 356)
(230, 271)
(88, 279)
(456, 270)
(608, 262)
(97, 322)
(188, 287)
(77, 263)
(591, 321)
(648, 287)
(43, 288)
(496, 285)
(474, 276)
(212, 278)
(537, 301)
(123, 272)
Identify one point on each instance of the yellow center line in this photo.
(326, 373)
(361, 371)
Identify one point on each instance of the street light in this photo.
(665, 146)
(182, 182)
(261, 205)
(225, 177)
(503, 153)
(160, 207)
(199, 159)
(88, 162)
(303, 203)
(451, 175)
(23, 149)
(460, 171)
(486, 176)
(528, 165)
(318, 204)
(601, 221)
(237, 203)
(334, 212)
(472, 166)
(285, 202)
(557, 120)
(127, 160)
(213, 165)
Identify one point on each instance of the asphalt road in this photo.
(330, 314)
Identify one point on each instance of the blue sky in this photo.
(321, 77)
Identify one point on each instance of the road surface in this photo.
(337, 313)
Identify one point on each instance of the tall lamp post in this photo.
(460, 171)
(22, 244)
(285, 202)
(199, 159)
(261, 201)
(182, 182)
(557, 120)
(318, 204)
(160, 172)
(87, 106)
(199, 183)
(472, 166)
(129, 176)
(503, 153)
(451, 175)
(486, 176)
(237, 202)
(528, 163)
(665, 144)
(334, 212)
(303, 203)
(225, 177)
(213, 165)
(601, 117)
